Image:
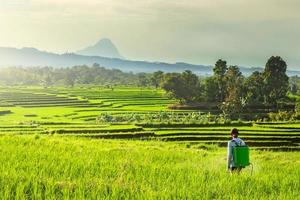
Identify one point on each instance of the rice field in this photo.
(91, 142)
(128, 113)
(51, 167)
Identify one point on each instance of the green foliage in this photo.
(234, 84)
(235, 99)
(104, 117)
(297, 106)
(143, 81)
(281, 116)
(275, 79)
(47, 76)
(183, 86)
(69, 79)
(219, 74)
(164, 117)
(211, 89)
(255, 87)
(157, 78)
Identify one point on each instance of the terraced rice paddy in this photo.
(73, 112)
(97, 143)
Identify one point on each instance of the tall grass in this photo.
(53, 167)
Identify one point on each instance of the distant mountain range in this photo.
(104, 48)
(30, 57)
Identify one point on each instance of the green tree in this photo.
(47, 82)
(69, 78)
(276, 80)
(235, 99)
(219, 73)
(156, 78)
(211, 89)
(142, 80)
(172, 83)
(255, 87)
(192, 86)
(184, 86)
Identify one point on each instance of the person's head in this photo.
(234, 133)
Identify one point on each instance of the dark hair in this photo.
(234, 131)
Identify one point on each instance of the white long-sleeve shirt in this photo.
(232, 143)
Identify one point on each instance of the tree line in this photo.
(230, 89)
(76, 75)
(227, 86)
(71, 76)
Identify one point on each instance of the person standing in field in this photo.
(236, 141)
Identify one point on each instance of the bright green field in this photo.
(52, 147)
(128, 113)
(69, 168)
(137, 113)
(76, 104)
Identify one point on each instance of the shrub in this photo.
(104, 117)
(281, 116)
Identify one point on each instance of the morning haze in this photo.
(149, 99)
(200, 31)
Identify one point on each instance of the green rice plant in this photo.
(53, 167)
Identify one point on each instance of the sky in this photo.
(243, 32)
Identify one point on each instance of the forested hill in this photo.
(34, 57)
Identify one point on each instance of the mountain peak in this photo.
(103, 41)
(103, 47)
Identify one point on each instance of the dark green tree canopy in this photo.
(183, 86)
(255, 87)
(142, 80)
(235, 92)
(220, 70)
(211, 89)
(156, 78)
(275, 79)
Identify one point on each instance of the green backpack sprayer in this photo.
(241, 156)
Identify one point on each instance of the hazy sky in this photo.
(244, 32)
